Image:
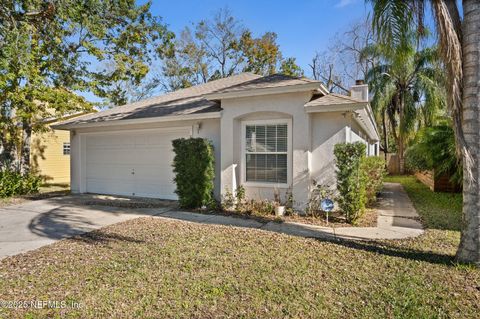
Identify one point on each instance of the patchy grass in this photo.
(45, 191)
(437, 210)
(153, 267)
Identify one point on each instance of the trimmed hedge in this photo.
(13, 183)
(373, 168)
(350, 179)
(193, 166)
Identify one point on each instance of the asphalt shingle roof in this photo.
(189, 101)
(270, 81)
(334, 99)
(182, 102)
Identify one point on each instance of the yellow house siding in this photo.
(47, 156)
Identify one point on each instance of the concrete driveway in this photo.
(34, 224)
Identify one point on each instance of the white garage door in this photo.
(133, 163)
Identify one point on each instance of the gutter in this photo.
(147, 120)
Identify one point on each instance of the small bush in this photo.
(193, 166)
(373, 168)
(317, 194)
(350, 179)
(13, 183)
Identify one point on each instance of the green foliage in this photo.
(52, 49)
(318, 193)
(193, 166)
(219, 47)
(262, 54)
(350, 179)
(290, 67)
(13, 183)
(407, 87)
(434, 149)
(373, 168)
(437, 210)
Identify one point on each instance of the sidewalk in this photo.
(396, 220)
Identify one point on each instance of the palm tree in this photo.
(459, 46)
(405, 85)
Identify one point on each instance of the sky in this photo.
(303, 26)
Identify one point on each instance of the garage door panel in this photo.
(111, 158)
(153, 174)
(109, 171)
(116, 186)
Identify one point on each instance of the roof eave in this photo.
(335, 107)
(264, 91)
(147, 120)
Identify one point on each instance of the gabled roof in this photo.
(184, 102)
(334, 99)
(275, 83)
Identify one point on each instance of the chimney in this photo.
(359, 90)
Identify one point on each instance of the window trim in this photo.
(243, 166)
(69, 148)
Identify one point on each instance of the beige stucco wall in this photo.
(279, 106)
(313, 136)
(328, 129)
(207, 128)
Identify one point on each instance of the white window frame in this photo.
(69, 148)
(243, 166)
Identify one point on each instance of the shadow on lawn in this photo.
(100, 237)
(392, 251)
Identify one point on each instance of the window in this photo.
(66, 148)
(266, 153)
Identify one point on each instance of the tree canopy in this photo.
(52, 49)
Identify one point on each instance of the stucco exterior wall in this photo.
(207, 128)
(328, 129)
(288, 106)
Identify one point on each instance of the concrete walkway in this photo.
(35, 224)
(396, 220)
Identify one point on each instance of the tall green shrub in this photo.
(350, 179)
(193, 166)
(373, 169)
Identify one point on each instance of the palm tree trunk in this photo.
(385, 136)
(401, 135)
(469, 249)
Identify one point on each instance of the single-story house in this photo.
(270, 133)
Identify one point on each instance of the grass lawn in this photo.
(157, 268)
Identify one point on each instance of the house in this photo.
(50, 153)
(272, 132)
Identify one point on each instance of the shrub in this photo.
(350, 179)
(13, 183)
(434, 149)
(373, 168)
(317, 194)
(193, 166)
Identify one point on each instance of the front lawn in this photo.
(158, 268)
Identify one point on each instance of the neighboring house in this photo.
(273, 132)
(50, 153)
